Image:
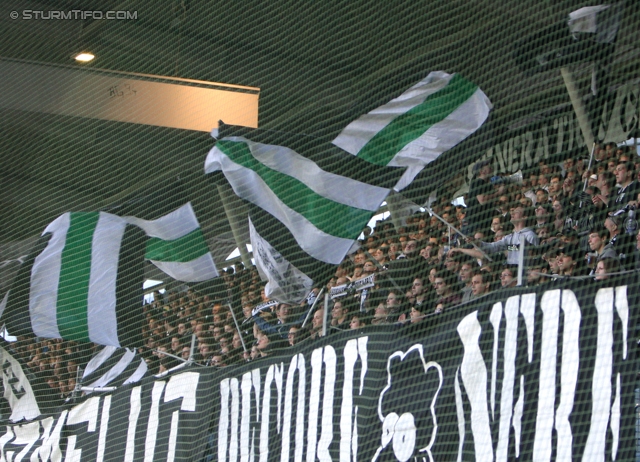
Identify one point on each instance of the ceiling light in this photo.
(84, 57)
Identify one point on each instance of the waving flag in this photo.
(413, 129)
(177, 246)
(82, 282)
(310, 199)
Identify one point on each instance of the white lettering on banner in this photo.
(50, 447)
(568, 374)
(508, 381)
(250, 381)
(494, 318)
(320, 449)
(550, 305)
(84, 412)
(354, 349)
(183, 386)
(474, 378)
(274, 375)
(606, 405)
(26, 435)
(104, 426)
(224, 428)
(134, 412)
(525, 150)
(20, 440)
(296, 368)
(460, 413)
(601, 384)
(152, 426)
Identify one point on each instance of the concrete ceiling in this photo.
(318, 65)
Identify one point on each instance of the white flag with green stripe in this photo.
(324, 211)
(413, 129)
(82, 282)
(177, 246)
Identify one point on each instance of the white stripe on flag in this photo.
(101, 302)
(441, 137)
(438, 137)
(45, 275)
(138, 373)
(171, 226)
(201, 269)
(337, 188)
(359, 132)
(248, 185)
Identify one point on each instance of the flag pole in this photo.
(430, 210)
(235, 321)
(312, 307)
(325, 315)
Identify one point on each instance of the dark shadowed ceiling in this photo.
(318, 64)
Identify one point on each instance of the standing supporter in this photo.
(542, 196)
(380, 315)
(339, 316)
(508, 277)
(419, 291)
(555, 188)
(621, 242)
(628, 185)
(397, 306)
(544, 213)
(316, 324)
(511, 242)
(480, 284)
(465, 275)
(569, 261)
(600, 248)
(481, 196)
(446, 285)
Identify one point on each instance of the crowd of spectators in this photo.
(574, 221)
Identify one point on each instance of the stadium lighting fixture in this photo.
(84, 57)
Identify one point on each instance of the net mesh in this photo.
(488, 308)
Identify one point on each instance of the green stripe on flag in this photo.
(75, 271)
(331, 217)
(184, 249)
(384, 146)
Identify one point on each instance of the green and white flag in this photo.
(177, 246)
(413, 129)
(323, 210)
(82, 282)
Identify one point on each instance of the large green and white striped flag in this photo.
(82, 282)
(309, 201)
(323, 210)
(413, 129)
(177, 247)
(84, 279)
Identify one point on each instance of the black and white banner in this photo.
(155, 420)
(545, 375)
(526, 376)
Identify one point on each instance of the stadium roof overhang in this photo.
(318, 65)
